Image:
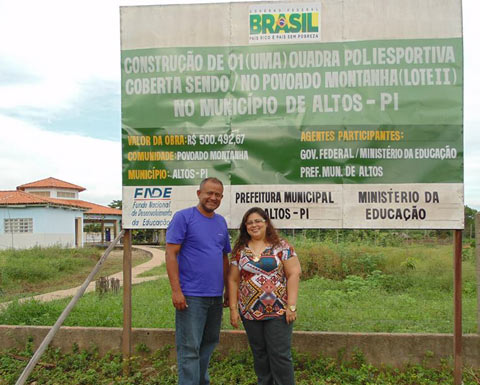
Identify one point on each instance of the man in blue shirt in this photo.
(197, 265)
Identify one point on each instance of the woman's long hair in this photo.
(271, 234)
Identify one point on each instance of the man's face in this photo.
(210, 196)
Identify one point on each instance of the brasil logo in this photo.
(283, 24)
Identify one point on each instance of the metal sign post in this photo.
(127, 300)
(457, 335)
(477, 253)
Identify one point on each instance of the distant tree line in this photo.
(469, 222)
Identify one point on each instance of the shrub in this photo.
(42, 264)
(338, 261)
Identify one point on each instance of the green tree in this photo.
(92, 228)
(116, 204)
(470, 222)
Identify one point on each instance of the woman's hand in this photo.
(234, 317)
(290, 315)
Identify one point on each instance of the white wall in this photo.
(51, 226)
(26, 241)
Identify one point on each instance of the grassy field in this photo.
(40, 270)
(346, 287)
(86, 367)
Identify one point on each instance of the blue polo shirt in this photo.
(204, 240)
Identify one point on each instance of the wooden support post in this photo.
(49, 337)
(127, 300)
(457, 336)
(161, 238)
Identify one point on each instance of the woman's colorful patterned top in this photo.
(263, 285)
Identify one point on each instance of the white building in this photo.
(49, 212)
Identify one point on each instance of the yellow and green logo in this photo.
(278, 23)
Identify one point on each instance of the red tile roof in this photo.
(93, 208)
(51, 183)
(11, 198)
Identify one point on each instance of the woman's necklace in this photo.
(257, 255)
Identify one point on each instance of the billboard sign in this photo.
(300, 108)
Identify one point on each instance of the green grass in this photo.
(40, 270)
(355, 304)
(159, 270)
(348, 288)
(95, 310)
(362, 305)
(38, 264)
(87, 367)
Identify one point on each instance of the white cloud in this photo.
(60, 46)
(472, 111)
(29, 153)
(471, 31)
(52, 94)
(472, 183)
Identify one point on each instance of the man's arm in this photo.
(178, 299)
(226, 268)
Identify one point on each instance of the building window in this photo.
(41, 193)
(18, 225)
(63, 194)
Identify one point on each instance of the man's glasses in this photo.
(254, 222)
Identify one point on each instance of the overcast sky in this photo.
(60, 95)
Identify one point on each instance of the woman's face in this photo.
(256, 226)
